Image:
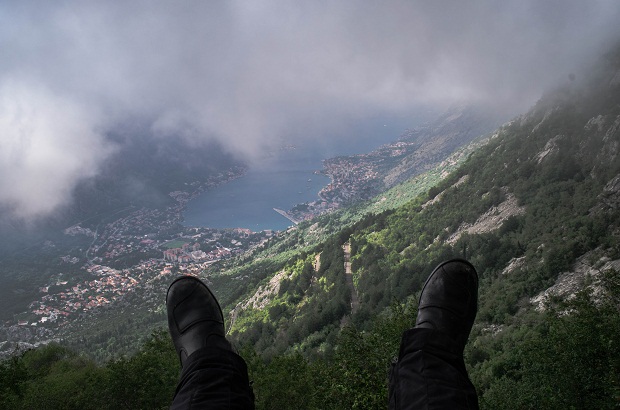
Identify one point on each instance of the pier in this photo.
(286, 215)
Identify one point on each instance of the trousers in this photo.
(429, 374)
(214, 378)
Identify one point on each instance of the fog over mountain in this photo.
(255, 75)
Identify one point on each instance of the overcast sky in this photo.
(252, 74)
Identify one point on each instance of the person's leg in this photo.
(430, 372)
(212, 376)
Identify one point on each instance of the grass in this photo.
(176, 243)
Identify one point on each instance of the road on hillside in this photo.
(348, 274)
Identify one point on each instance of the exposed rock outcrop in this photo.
(261, 298)
(586, 273)
(610, 197)
(490, 220)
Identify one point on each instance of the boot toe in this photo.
(449, 299)
(194, 316)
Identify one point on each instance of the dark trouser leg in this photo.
(214, 378)
(430, 374)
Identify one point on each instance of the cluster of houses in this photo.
(186, 253)
(109, 285)
(192, 253)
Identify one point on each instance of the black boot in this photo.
(195, 318)
(430, 372)
(449, 300)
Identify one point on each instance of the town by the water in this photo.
(144, 248)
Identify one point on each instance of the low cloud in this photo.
(254, 74)
(48, 145)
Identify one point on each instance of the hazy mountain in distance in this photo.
(456, 127)
(362, 176)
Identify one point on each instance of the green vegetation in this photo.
(545, 360)
(53, 377)
(555, 360)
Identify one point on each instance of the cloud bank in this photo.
(252, 75)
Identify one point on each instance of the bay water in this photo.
(249, 201)
(285, 179)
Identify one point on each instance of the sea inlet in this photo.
(249, 201)
(289, 177)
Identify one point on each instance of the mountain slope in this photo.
(528, 208)
(362, 176)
